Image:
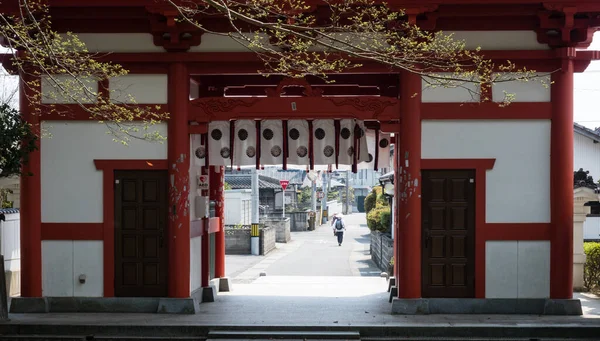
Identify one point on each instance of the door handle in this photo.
(427, 236)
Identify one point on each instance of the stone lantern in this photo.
(585, 190)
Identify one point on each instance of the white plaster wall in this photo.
(139, 89)
(195, 266)
(517, 269)
(219, 43)
(591, 228)
(71, 187)
(518, 187)
(498, 40)
(454, 92)
(11, 241)
(79, 90)
(119, 42)
(234, 209)
(535, 89)
(63, 261)
(586, 155)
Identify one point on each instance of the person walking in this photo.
(337, 222)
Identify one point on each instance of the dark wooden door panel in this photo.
(448, 233)
(140, 227)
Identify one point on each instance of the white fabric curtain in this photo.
(271, 142)
(384, 151)
(363, 148)
(297, 137)
(219, 150)
(369, 163)
(244, 145)
(198, 150)
(324, 142)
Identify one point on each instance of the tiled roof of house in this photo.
(243, 181)
(592, 134)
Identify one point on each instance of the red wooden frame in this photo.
(108, 168)
(488, 231)
(72, 231)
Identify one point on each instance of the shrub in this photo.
(591, 270)
(378, 219)
(371, 199)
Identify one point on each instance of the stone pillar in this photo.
(561, 177)
(581, 196)
(408, 189)
(179, 170)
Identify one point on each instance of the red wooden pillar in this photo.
(205, 245)
(31, 198)
(217, 183)
(409, 189)
(561, 179)
(179, 165)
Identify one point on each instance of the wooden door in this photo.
(448, 233)
(140, 233)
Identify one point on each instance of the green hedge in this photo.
(378, 210)
(591, 270)
(371, 199)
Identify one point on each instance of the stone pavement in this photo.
(338, 302)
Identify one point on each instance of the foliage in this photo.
(69, 73)
(372, 199)
(376, 218)
(226, 186)
(4, 203)
(17, 140)
(295, 38)
(333, 195)
(591, 271)
(350, 192)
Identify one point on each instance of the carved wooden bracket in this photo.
(172, 35)
(297, 82)
(564, 25)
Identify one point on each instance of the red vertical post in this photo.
(409, 189)
(217, 184)
(561, 179)
(31, 196)
(179, 166)
(205, 244)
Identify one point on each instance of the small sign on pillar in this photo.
(203, 182)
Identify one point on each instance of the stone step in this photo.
(282, 335)
(97, 338)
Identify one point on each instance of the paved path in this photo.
(312, 253)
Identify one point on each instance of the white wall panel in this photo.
(119, 42)
(534, 269)
(139, 89)
(82, 90)
(62, 263)
(88, 256)
(537, 89)
(498, 40)
(71, 187)
(10, 229)
(57, 268)
(219, 43)
(517, 269)
(586, 155)
(195, 258)
(501, 269)
(518, 188)
(591, 228)
(455, 92)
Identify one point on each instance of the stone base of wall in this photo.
(13, 282)
(267, 240)
(282, 227)
(382, 250)
(237, 240)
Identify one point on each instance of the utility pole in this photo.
(348, 211)
(324, 200)
(254, 236)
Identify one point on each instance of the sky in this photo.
(587, 92)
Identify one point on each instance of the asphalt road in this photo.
(313, 253)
